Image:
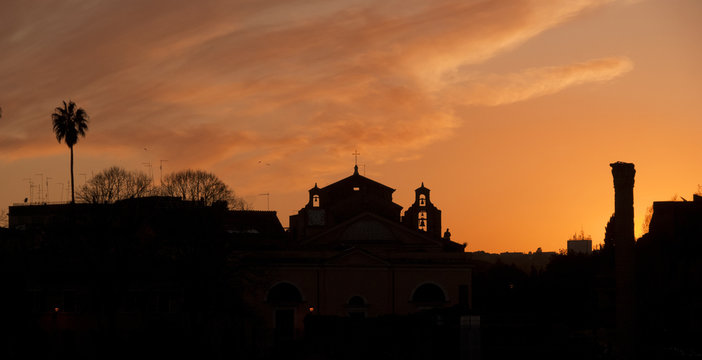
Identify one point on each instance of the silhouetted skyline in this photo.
(511, 111)
(352, 278)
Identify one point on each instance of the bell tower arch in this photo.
(423, 215)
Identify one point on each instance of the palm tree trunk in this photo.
(73, 198)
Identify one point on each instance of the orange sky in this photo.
(509, 111)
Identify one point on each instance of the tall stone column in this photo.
(623, 174)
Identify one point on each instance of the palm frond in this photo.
(69, 123)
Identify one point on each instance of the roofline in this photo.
(359, 176)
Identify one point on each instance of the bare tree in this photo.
(238, 203)
(647, 220)
(115, 184)
(3, 218)
(199, 185)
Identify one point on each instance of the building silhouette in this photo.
(579, 244)
(669, 279)
(351, 254)
(146, 277)
(353, 277)
(177, 277)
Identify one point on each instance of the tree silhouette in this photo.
(70, 122)
(609, 233)
(198, 185)
(113, 184)
(3, 218)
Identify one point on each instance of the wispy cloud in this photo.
(499, 89)
(222, 84)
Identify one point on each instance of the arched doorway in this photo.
(285, 298)
(357, 307)
(428, 295)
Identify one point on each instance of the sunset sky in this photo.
(509, 111)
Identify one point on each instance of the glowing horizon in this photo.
(509, 111)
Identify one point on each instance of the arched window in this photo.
(428, 294)
(422, 220)
(422, 200)
(315, 201)
(284, 294)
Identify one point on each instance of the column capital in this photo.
(623, 173)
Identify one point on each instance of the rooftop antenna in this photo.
(40, 182)
(160, 167)
(151, 170)
(47, 188)
(31, 188)
(148, 165)
(268, 200)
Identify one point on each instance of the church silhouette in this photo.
(351, 253)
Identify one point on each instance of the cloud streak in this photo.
(499, 89)
(222, 84)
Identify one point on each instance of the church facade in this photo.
(352, 253)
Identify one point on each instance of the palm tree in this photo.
(70, 122)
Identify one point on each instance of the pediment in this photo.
(370, 230)
(367, 230)
(357, 179)
(356, 257)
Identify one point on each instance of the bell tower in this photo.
(315, 199)
(423, 215)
